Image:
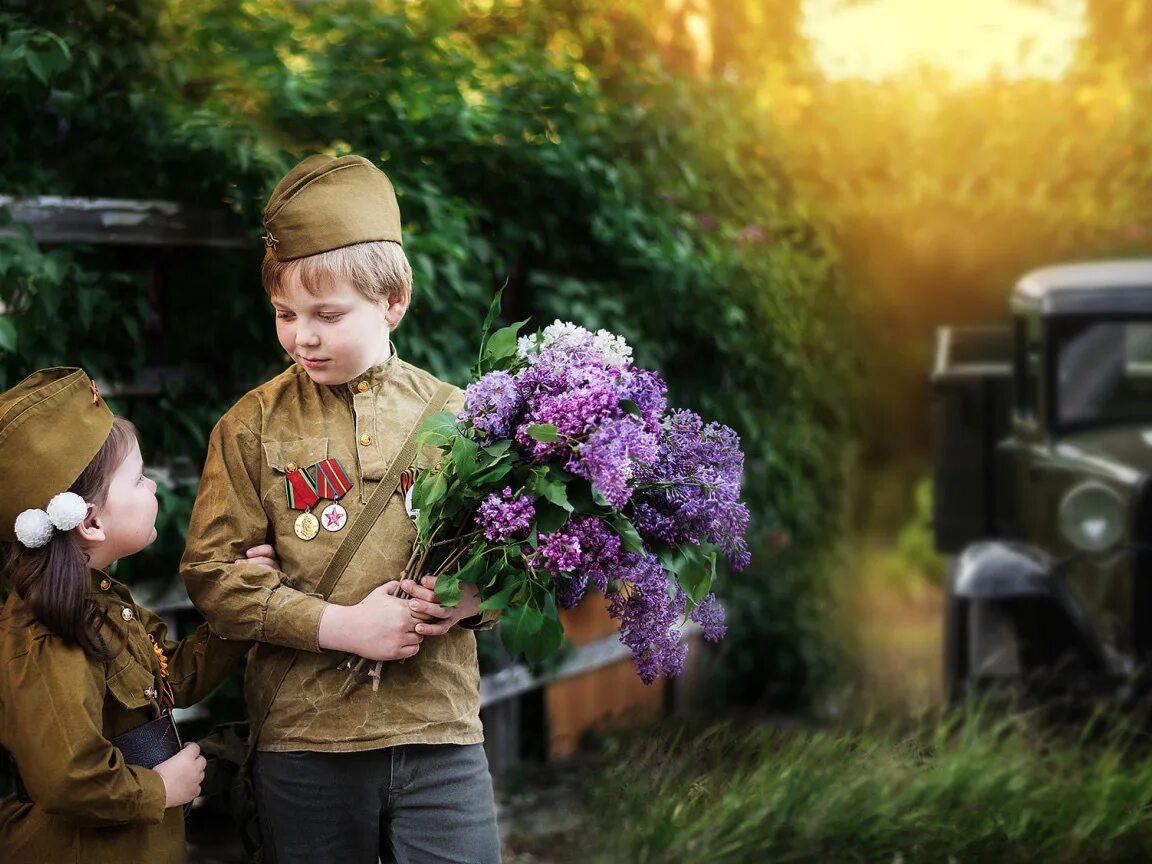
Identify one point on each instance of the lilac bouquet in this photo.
(565, 473)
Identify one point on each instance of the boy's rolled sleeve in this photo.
(241, 601)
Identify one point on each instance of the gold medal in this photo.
(334, 517)
(307, 526)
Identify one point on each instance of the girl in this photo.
(80, 663)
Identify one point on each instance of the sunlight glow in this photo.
(968, 39)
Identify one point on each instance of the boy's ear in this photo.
(91, 530)
(397, 306)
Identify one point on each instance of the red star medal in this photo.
(333, 517)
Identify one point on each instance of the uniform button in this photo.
(365, 440)
(363, 386)
(290, 467)
(151, 692)
(127, 614)
(105, 584)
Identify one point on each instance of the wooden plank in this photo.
(124, 222)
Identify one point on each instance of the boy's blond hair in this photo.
(378, 269)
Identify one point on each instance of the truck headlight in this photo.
(1092, 517)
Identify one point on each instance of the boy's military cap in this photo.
(326, 203)
(52, 424)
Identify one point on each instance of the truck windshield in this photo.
(1103, 371)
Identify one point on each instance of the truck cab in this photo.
(1043, 447)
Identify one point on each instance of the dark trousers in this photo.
(412, 804)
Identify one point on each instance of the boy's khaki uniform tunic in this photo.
(87, 805)
(292, 422)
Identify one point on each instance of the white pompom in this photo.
(33, 528)
(67, 510)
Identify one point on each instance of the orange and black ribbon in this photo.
(167, 697)
(331, 479)
(301, 489)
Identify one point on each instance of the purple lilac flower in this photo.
(558, 552)
(648, 390)
(503, 517)
(709, 614)
(600, 552)
(693, 488)
(648, 617)
(607, 457)
(490, 404)
(576, 403)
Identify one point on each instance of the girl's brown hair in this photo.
(53, 579)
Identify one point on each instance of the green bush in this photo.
(656, 210)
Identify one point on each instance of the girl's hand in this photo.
(263, 554)
(436, 620)
(182, 775)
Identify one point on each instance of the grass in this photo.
(951, 791)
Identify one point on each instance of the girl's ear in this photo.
(90, 531)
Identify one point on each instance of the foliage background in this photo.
(597, 169)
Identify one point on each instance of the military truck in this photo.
(1043, 450)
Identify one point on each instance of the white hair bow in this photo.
(65, 511)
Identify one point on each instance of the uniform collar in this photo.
(100, 583)
(376, 376)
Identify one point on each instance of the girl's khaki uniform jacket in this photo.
(59, 707)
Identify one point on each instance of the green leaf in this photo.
(442, 425)
(518, 625)
(694, 566)
(501, 598)
(37, 66)
(544, 432)
(630, 407)
(8, 335)
(500, 448)
(550, 518)
(503, 341)
(448, 589)
(464, 452)
(491, 475)
(547, 639)
(437, 488)
(551, 490)
(628, 534)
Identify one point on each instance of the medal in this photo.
(407, 483)
(334, 517)
(302, 495)
(307, 526)
(332, 482)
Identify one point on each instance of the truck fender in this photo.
(993, 568)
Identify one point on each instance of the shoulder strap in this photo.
(281, 663)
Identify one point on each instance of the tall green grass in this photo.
(971, 791)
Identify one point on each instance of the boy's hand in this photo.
(379, 627)
(182, 775)
(436, 620)
(262, 554)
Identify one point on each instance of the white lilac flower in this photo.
(614, 351)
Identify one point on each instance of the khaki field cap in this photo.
(325, 203)
(51, 426)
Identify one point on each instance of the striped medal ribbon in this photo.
(332, 482)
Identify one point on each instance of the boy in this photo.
(397, 773)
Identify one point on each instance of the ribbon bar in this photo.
(332, 480)
(301, 489)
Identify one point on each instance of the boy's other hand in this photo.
(263, 554)
(434, 619)
(379, 627)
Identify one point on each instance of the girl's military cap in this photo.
(325, 203)
(52, 424)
